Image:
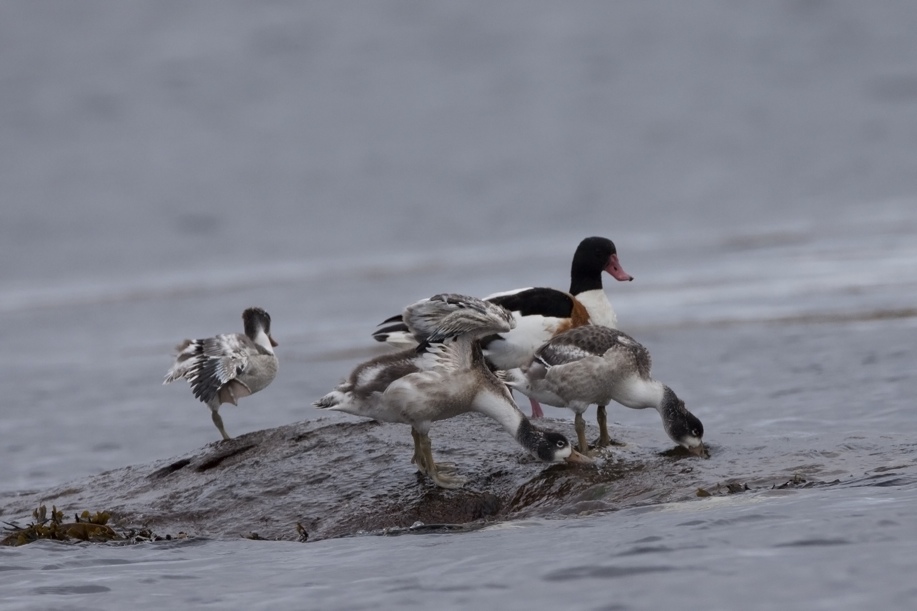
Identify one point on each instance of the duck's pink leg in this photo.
(536, 409)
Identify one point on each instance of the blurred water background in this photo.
(164, 165)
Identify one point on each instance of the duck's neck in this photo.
(504, 410)
(670, 406)
(261, 338)
(599, 308)
(529, 437)
(582, 281)
(495, 401)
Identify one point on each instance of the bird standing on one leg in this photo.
(225, 368)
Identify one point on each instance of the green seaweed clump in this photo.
(85, 527)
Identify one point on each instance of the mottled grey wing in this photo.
(579, 343)
(452, 315)
(376, 374)
(222, 359)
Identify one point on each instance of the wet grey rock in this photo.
(342, 478)
(326, 478)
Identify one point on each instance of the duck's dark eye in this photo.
(561, 443)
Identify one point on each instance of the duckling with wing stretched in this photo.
(443, 377)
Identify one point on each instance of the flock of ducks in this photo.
(462, 354)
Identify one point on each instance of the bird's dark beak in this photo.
(274, 344)
(700, 450)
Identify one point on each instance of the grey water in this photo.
(163, 166)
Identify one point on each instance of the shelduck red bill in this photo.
(616, 271)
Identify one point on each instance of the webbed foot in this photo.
(604, 439)
(450, 482)
(423, 458)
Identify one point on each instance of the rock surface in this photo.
(343, 478)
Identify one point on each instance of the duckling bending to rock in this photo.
(225, 368)
(443, 377)
(596, 365)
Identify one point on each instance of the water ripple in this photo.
(604, 572)
(813, 543)
(76, 589)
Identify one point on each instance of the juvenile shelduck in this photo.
(225, 368)
(596, 365)
(443, 377)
